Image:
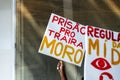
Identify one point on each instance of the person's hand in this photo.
(60, 66)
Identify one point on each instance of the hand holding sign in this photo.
(67, 40)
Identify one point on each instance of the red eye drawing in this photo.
(101, 64)
(106, 74)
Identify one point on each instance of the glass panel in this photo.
(32, 19)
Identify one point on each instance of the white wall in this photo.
(7, 40)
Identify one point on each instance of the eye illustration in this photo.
(101, 64)
(107, 75)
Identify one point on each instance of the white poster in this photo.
(64, 39)
(102, 59)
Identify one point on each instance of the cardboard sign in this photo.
(64, 40)
(102, 60)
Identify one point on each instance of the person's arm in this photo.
(60, 68)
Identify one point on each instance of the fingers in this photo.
(60, 65)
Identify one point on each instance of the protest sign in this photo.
(64, 40)
(102, 58)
